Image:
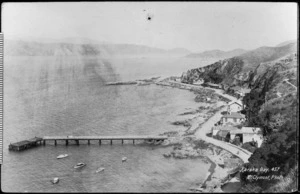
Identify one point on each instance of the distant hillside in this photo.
(179, 51)
(286, 43)
(217, 54)
(83, 47)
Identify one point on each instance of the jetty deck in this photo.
(100, 138)
(22, 145)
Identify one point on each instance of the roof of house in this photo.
(236, 88)
(249, 130)
(246, 90)
(211, 84)
(234, 115)
(235, 103)
(225, 128)
(222, 133)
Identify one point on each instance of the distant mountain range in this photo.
(79, 46)
(286, 43)
(85, 46)
(217, 54)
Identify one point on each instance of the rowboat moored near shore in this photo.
(79, 165)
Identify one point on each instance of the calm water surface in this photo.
(66, 96)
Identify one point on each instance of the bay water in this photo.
(67, 95)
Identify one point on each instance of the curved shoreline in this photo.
(218, 175)
(197, 131)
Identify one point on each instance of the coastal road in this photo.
(207, 126)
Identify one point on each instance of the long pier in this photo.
(22, 145)
(100, 138)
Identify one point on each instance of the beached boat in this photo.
(124, 159)
(62, 156)
(100, 170)
(55, 180)
(79, 165)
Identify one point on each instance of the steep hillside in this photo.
(217, 54)
(272, 104)
(240, 70)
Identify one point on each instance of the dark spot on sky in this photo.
(149, 18)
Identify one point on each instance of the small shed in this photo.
(25, 144)
(223, 135)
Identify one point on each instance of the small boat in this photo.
(100, 170)
(79, 165)
(55, 180)
(124, 159)
(62, 156)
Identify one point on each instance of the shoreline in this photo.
(183, 143)
(218, 176)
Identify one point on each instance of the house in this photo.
(208, 84)
(248, 134)
(218, 128)
(199, 82)
(234, 107)
(239, 91)
(233, 117)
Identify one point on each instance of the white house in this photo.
(248, 134)
(234, 107)
(199, 82)
(233, 117)
(218, 128)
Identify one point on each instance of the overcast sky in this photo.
(196, 26)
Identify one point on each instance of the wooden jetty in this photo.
(100, 138)
(22, 145)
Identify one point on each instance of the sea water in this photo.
(67, 95)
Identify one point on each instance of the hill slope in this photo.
(238, 70)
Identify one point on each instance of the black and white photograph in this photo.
(149, 97)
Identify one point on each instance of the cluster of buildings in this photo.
(227, 128)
